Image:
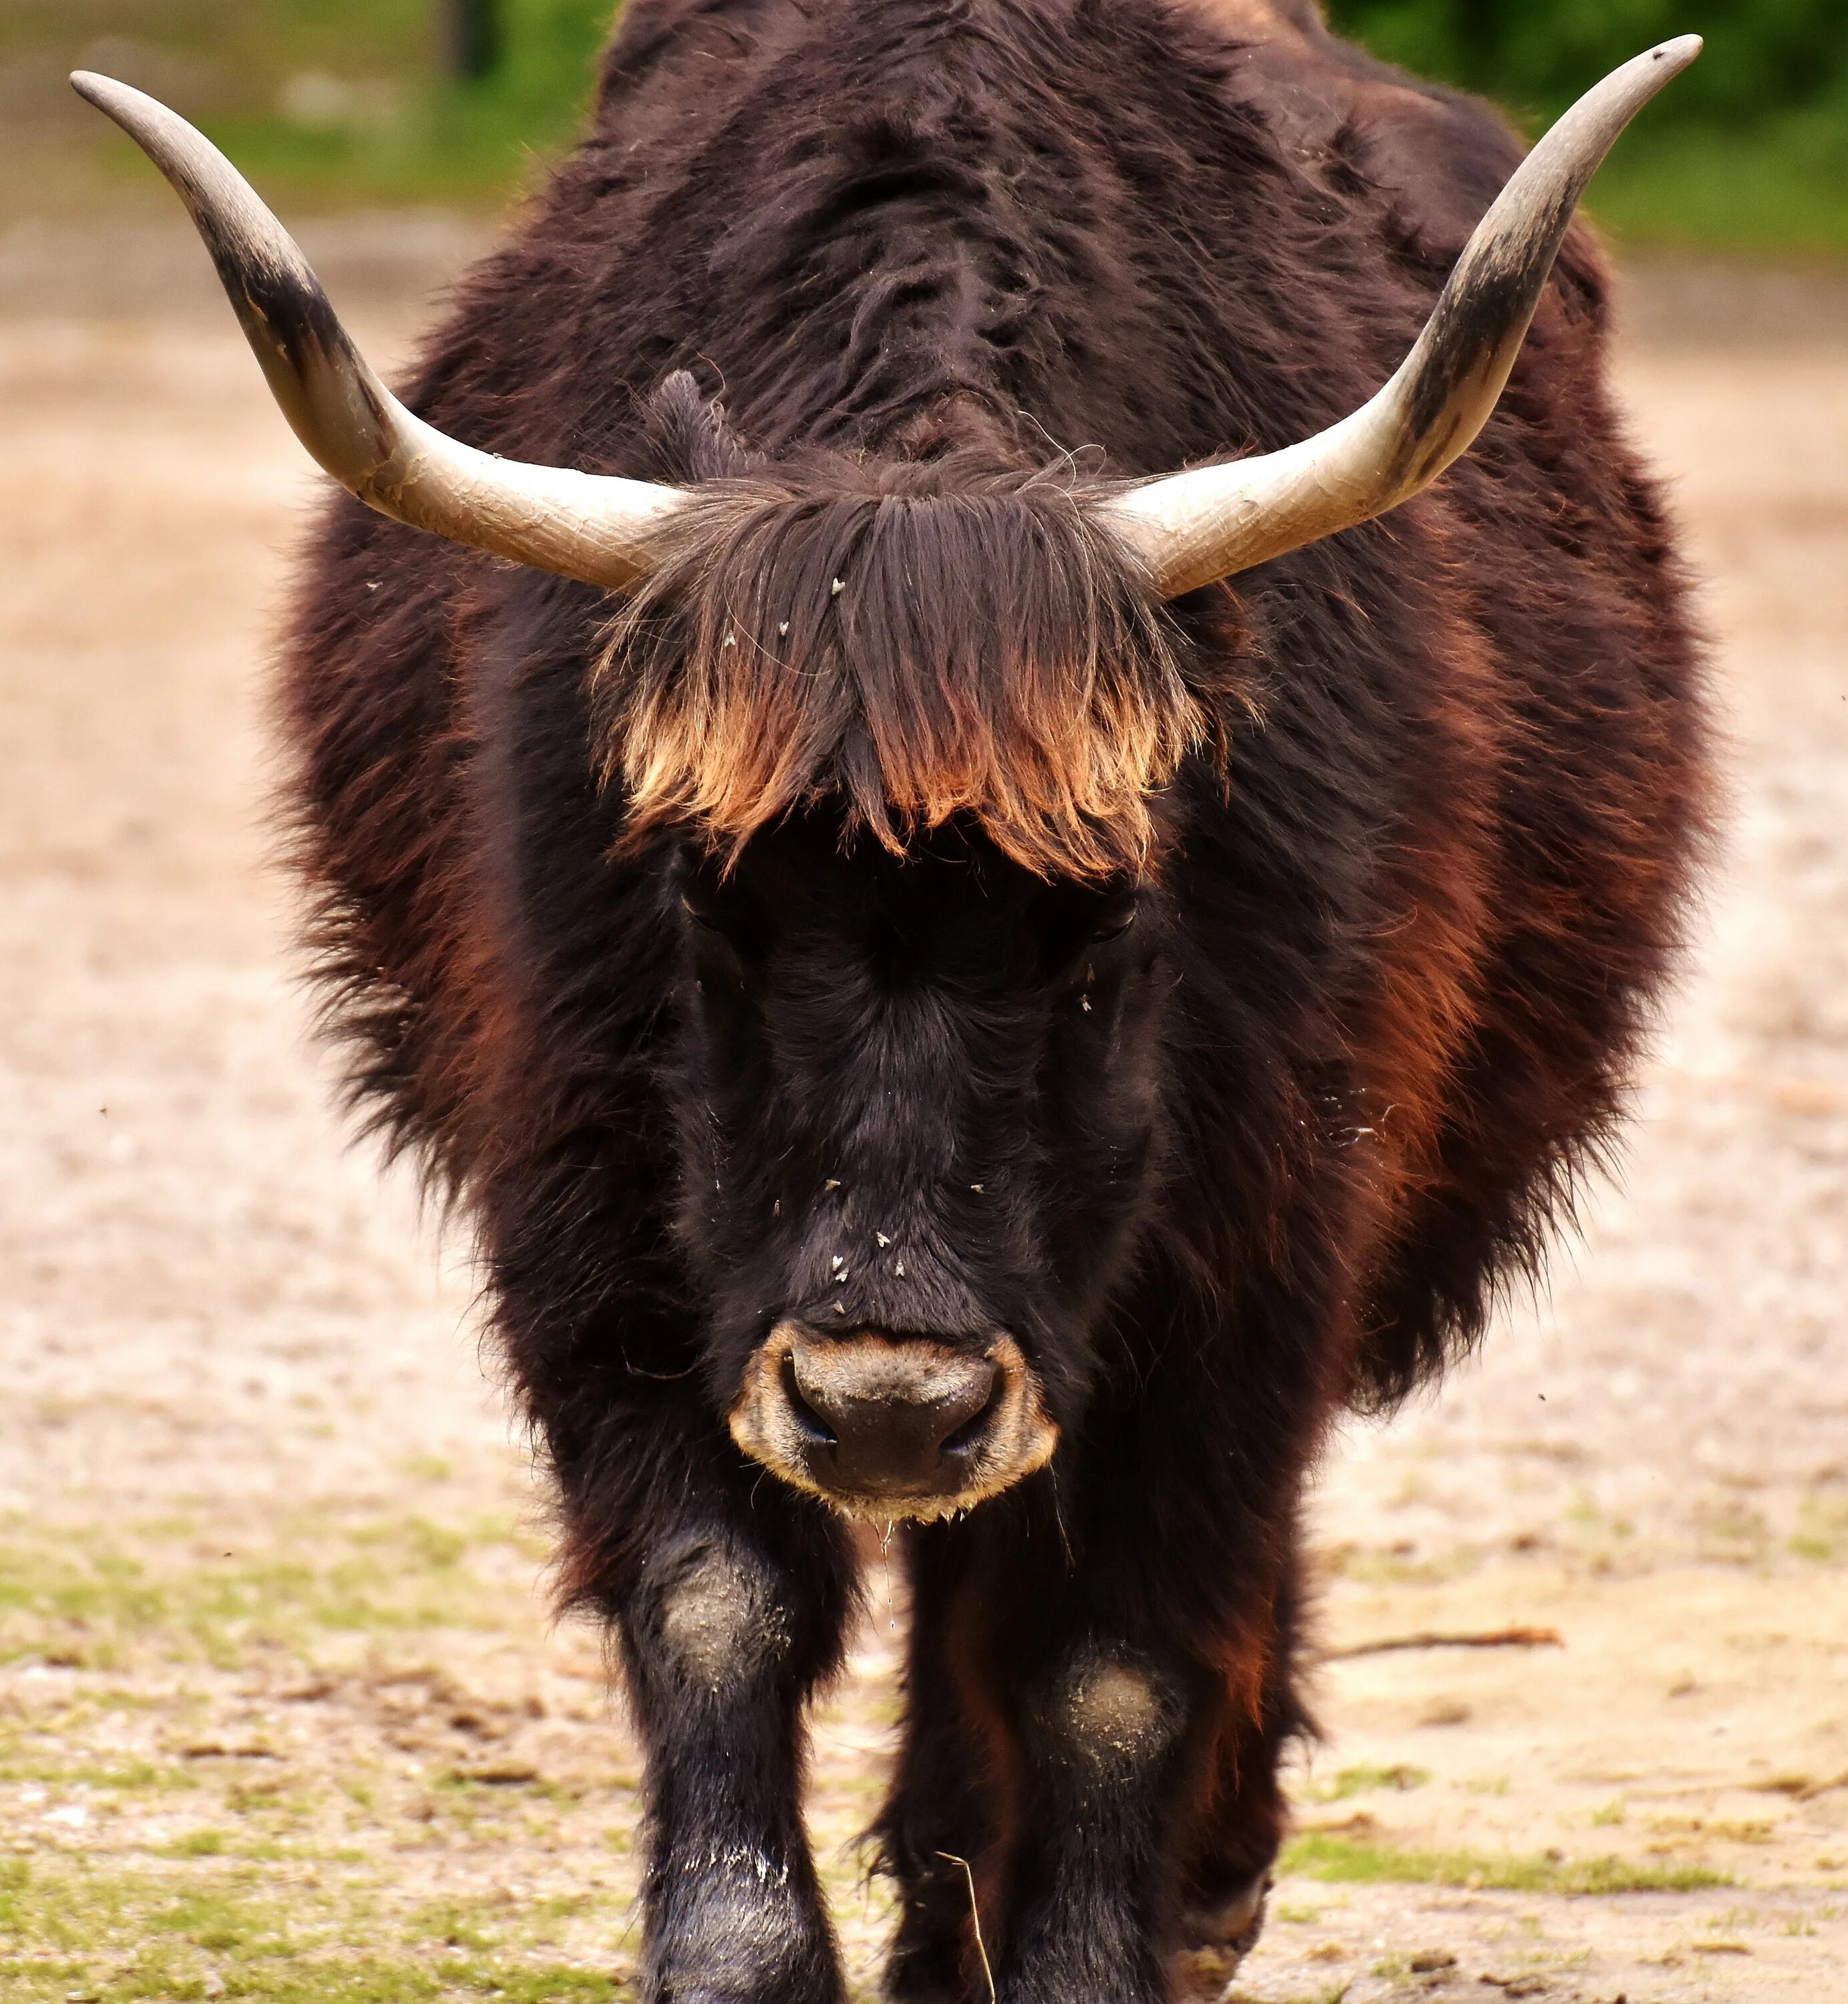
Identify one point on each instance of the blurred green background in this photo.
(343, 101)
(1749, 149)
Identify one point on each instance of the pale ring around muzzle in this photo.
(884, 1427)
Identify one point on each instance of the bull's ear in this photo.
(580, 525)
(1191, 529)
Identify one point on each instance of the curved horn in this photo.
(1191, 529)
(580, 525)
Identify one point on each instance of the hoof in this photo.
(1215, 1940)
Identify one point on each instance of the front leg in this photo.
(726, 1632)
(1119, 1634)
(1114, 1737)
(1148, 1822)
(1093, 1793)
(1114, 1793)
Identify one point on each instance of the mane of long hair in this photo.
(921, 640)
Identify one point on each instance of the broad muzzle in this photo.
(886, 1426)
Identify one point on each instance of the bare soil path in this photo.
(282, 1712)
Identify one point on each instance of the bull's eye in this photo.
(708, 921)
(1074, 918)
(1116, 915)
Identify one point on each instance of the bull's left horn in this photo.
(581, 525)
(1191, 529)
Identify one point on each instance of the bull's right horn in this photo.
(595, 527)
(1192, 529)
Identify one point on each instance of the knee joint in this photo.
(717, 1614)
(1112, 1714)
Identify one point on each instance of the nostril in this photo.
(971, 1430)
(808, 1421)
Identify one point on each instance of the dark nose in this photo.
(889, 1417)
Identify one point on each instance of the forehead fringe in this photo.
(985, 653)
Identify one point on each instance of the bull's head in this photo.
(909, 805)
(921, 1115)
(908, 731)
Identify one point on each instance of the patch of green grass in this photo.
(1365, 1781)
(224, 1921)
(123, 1937)
(516, 1789)
(1355, 1861)
(140, 1776)
(1375, 1565)
(124, 1700)
(450, 1926)
(84, 1598)
(1821, 1534)
(356, 1980)
(427, 1468)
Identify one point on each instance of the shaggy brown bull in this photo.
(963, 974)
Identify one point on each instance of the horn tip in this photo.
(109, 95)
(1680, 52)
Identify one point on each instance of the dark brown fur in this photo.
(1411, 817)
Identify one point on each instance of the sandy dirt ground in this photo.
(283, 1712)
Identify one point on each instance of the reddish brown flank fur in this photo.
(924, 641)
